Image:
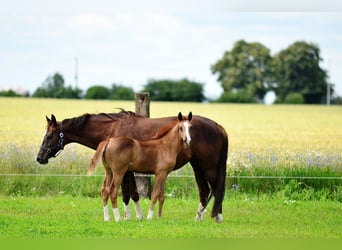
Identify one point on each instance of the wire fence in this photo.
(183, 176)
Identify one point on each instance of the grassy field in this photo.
(299, 147)
(81, 217)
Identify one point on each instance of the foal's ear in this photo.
(190, 116)
(180, 116)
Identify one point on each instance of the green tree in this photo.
(97, 92)
(9, 93)
(175, 90)
(50, 87)
(247, 67)
(119, 92)
(53, 87)
(298, 71)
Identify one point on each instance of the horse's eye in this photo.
(181, 129)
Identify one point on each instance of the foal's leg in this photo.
(105, 191)
(117, 179)
(161, 199)
(157, 190)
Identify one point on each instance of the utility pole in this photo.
(76, 72)
(328, 85)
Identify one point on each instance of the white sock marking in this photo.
(127, 212)
(138, 211)
(106, 213)
(150, 214)
(219, 218)
(116, 214)
(200, 212)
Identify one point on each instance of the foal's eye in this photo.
(181, 129)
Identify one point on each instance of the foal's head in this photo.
(52, 142)
(184, 128)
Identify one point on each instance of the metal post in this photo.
(328, 94)
(142, 107)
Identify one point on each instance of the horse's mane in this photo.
(80, 121)
(164, 130)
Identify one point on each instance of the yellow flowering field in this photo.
(277, 135)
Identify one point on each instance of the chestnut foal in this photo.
(156, 156)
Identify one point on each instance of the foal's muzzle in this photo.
(186, 142)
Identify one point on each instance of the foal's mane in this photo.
(80, 121)
(164, 130)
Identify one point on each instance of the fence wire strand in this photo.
(183, 176)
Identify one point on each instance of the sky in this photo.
(129, 42)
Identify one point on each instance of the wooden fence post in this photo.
(142, 107)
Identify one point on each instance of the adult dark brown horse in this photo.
(156, 156)
(207, 153)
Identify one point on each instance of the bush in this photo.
(240, 96)
(294, 98)
(97, 92)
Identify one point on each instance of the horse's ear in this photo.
(53, 120)
(47, 119)
(190, 116)
(180, 116)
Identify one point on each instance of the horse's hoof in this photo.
(219, 218)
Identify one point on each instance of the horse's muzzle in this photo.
(42, 161)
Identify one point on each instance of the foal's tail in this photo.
(220, 177)
(97, 156)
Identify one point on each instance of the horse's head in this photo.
(185, 128)
(52, 141)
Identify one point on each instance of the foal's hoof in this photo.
(140, 217)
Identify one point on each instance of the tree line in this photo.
(246, 73)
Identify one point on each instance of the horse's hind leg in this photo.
(129, 190)
(204, 191)
(133, 190)
(125, 189)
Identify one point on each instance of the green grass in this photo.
(245, 217)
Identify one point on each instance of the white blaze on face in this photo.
(187, 126)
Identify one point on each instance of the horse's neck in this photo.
(172, 140)
(86, 135)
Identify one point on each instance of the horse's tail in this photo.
(97, 156)
(221, 177)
